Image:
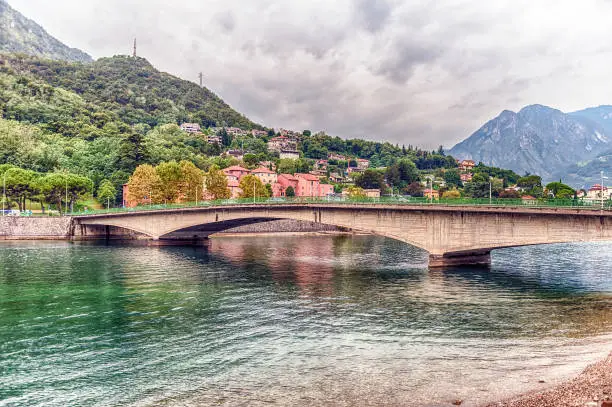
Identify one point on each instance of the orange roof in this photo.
(307, 177)
(529, 198)
(236, 168)
(262, 170)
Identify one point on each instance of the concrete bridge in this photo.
(453, 235)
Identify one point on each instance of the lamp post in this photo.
(3, 191)
(602, 189)
(490, 190)
(66, 179)
(253, 190)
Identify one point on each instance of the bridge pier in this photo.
(482, 259)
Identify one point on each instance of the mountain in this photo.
(601, 115)
(19, 34)
(134, 90)
(538, 140)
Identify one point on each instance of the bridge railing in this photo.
(398, 200)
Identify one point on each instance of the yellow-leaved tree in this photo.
(170, 182)
(191, 183)
(252, 186)
(143, 184)
(216, 184)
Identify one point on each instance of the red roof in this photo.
(262, 170)
(289, 177)
(236, 168)
(529, 198)
(307, 177)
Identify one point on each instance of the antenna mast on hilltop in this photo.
(134, 48)
(201, 76)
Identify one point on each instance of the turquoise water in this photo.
(293, 321)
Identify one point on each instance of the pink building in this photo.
(265, 175)
(236, 172)
(308, 185)
(232, 185)
(326, 190)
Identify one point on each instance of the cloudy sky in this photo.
(413, 72)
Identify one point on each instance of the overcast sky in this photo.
(413, 72)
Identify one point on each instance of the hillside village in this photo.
(283, 169)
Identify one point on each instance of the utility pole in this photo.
(201, 76)
(490, 190)
(134, 54)
(253, 190)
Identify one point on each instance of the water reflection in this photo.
(292, 320)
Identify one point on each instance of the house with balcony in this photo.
(467, 165)
(191, 128)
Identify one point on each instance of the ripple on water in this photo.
(293, 321)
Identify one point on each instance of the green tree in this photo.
(107, 193)
(216, 183)
(20, 185)
(252, 186)
(452, 178)
(170, 182)
(559, 190)
(371, 179)
(290, 192)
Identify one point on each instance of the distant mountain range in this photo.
(19, 34)
(541, 140)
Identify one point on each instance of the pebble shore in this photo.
(593, 388)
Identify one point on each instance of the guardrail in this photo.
(495, 202)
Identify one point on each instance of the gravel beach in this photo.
(590, 389)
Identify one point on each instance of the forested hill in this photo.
(20, 34)
(134, 90)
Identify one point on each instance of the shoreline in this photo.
(590, 388)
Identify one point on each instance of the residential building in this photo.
(289, 154)
(265, 175)
(337, 157)
(214, 139)
(595, 192)
(308, 185)
(281, 143)
(335, 177)
(259, 133)
(363, 164)
(236, 172)
(466, 177)
(326, 190)
(191, 127)
(321, 165)
(285, 181)
(467, 165)
(233, 186)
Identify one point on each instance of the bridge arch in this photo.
(452, 235)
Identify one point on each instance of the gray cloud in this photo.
(372, 14)
(422, 73)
